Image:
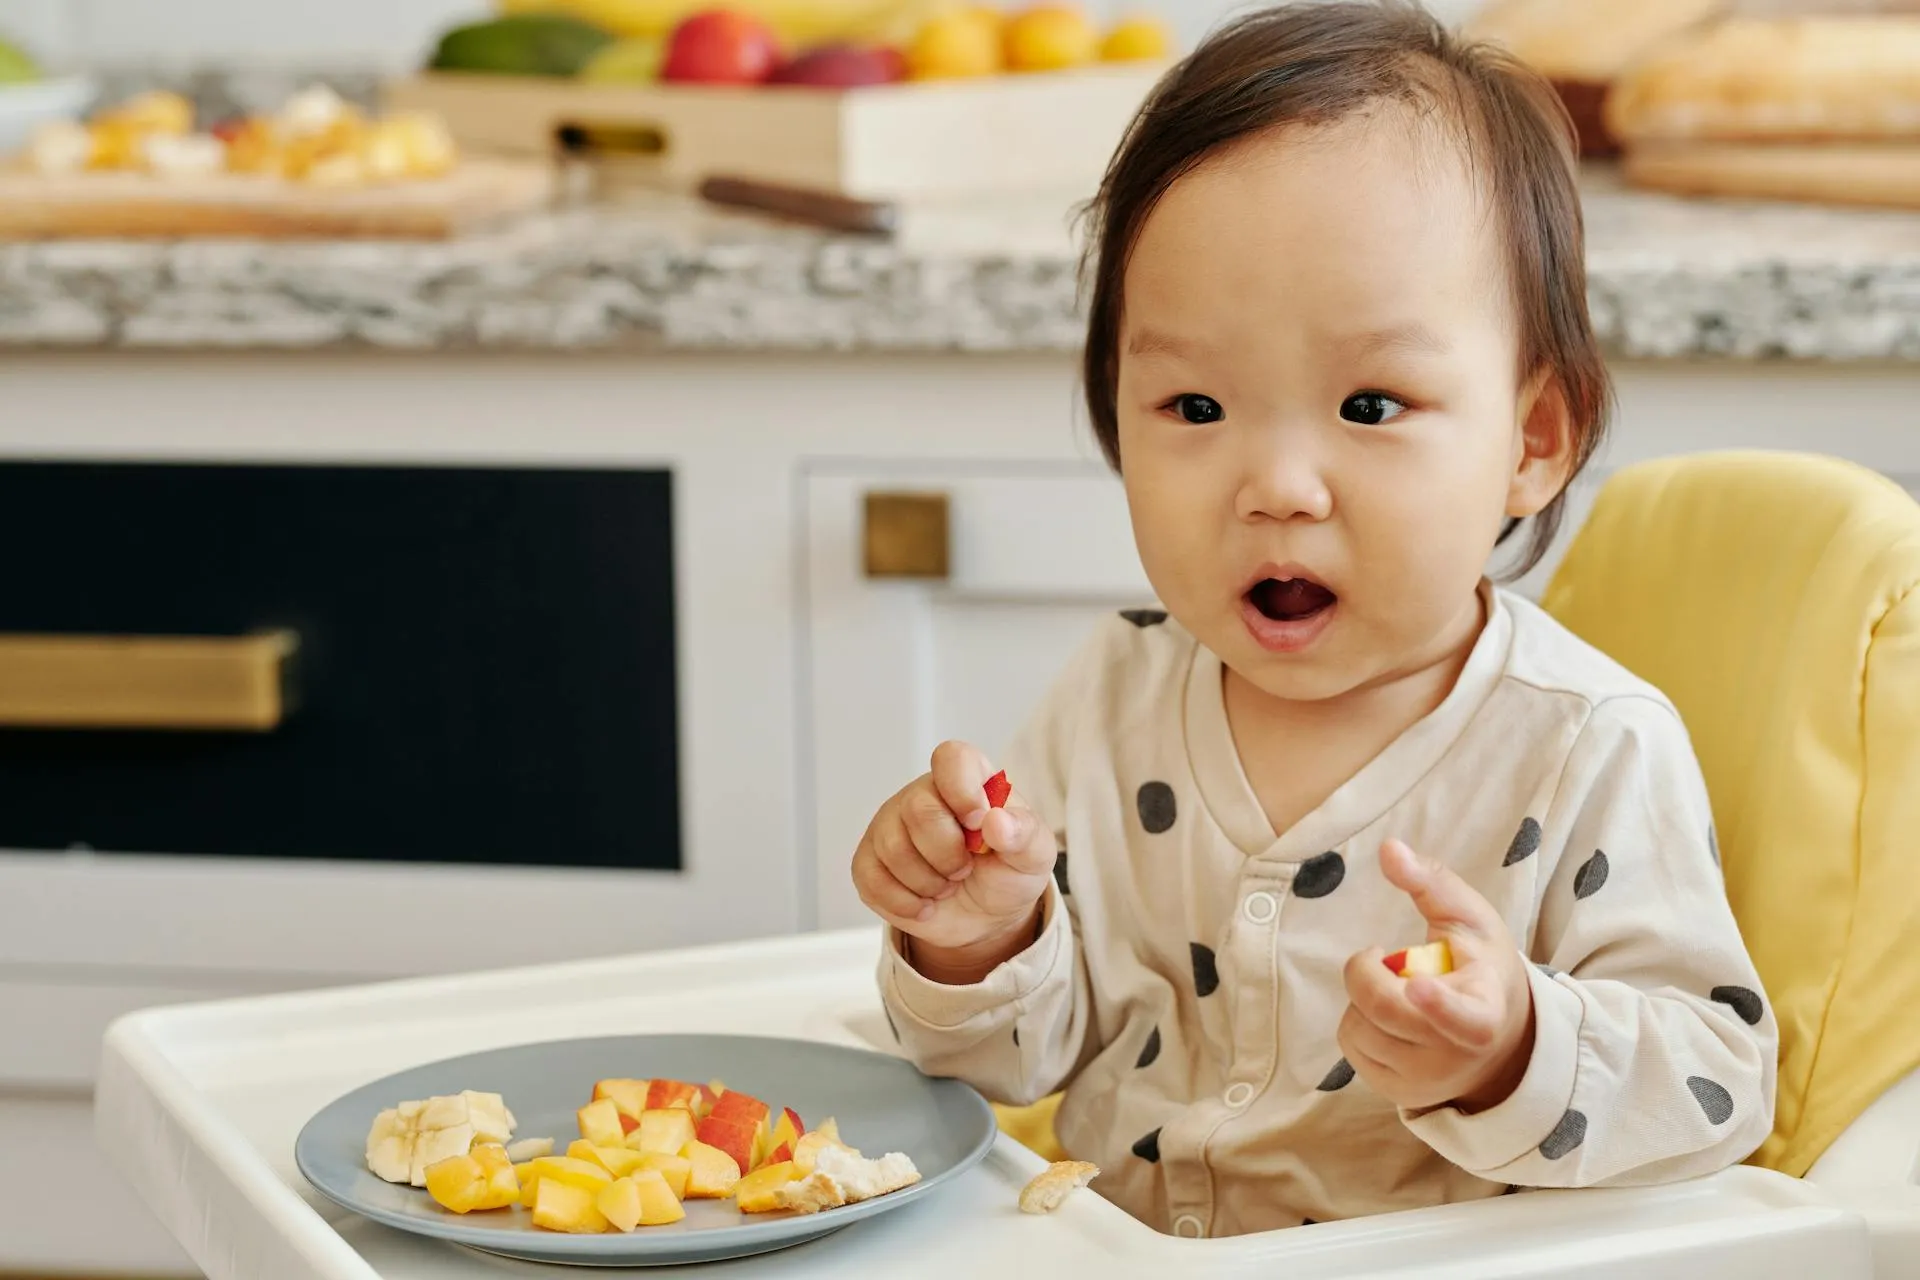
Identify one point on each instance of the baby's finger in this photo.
(1023, 842)
(898, 855)
(1381, 999)
(935, 832)
(960, 774)
(1455, 1012)
(1371, 1051)
(883, 893)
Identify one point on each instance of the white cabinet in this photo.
(894, 666)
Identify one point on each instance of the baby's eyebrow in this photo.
(1152, 342)
(1412, 337)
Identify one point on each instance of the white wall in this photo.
(384, 33)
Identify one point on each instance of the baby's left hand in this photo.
(1463, 1038)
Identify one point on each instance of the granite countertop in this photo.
(1669, 279)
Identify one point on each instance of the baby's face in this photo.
(1319, 403)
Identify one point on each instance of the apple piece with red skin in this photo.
(998, 789)
(741, 1140)
(842, 66)
(787, 1129)
(1428, 960)
(662, 1094)
(734, 1105)
(719, 46)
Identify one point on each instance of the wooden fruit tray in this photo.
(1039, 132)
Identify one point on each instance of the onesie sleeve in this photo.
(1026, 1029)
(1655, 1049)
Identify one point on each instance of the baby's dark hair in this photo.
(1317, 64)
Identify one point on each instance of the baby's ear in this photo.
(1543, 446)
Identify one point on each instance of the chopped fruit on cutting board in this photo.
(316, 139)
(633, 1165)
(1427, 961)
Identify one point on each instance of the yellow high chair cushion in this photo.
(1776, 599)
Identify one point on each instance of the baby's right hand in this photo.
(913, 869)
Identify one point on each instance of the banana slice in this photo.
(406, 1139)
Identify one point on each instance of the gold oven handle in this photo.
(906, 535)
(145, 682)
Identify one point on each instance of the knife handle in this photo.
(817, 208)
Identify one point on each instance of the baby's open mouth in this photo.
(1290, 599)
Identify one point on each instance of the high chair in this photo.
(1776, 599)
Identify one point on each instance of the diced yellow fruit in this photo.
(457, 1183)
(560, 1207)
(503, 1181)
(570, 1172)
(664, 1132)
(156, 112)
(755, 1192)
(529, 1183)
(675, 1169)
(711, 1174)
(658, 1204)
(619, 1203)
(617, 1161)
(600, 1124)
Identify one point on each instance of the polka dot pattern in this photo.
(1742, 1000)
(1713, 1099)
(888, 1013)
(1148, 1148)
(1149, 1051)
(1206, 971)
(1591, 875)
(1337, 1079)
(1144, 618)
(1060, 871)
(1156, 806)
(1548, 969)
(1308, 1222)
(1319, 875)
(1526, 843)
(1016, 1037)
(1567, 1135)
(1713, 844)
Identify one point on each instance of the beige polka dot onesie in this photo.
(1186, 988)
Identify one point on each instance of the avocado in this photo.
(15, 66)
(528, 44)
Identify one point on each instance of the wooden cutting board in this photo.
(139, 206)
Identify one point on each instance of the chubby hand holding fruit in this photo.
(917, 867)
(1423, 1033)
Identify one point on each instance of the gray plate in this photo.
(881, 1103)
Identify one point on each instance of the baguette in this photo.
(1585, 41)
(1788, 80)
(1884, 175)
(1052, 1185)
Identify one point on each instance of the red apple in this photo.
(671, 1093)
(719, 46)
(735, 1137)
(627, 1123)
(780, 1154)
(733, 1105)
(630, 1096)
(842, 67)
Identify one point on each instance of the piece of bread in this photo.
(811, 1194)
(1884, 174)
(1052, 1185)
(1583, 46)
(1586, 41)
(1784, 80)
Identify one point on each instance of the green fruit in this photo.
(635, 60)
(532, 44)
(15, 66)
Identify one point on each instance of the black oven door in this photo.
(481, 666)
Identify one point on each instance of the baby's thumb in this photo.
(1447, 903)
(1024, 843)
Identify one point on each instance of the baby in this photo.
(1339, 350)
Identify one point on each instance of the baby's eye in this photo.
(1371, 408)
(1197, 408)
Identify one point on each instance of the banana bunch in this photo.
(407, 1138)
(799, 22)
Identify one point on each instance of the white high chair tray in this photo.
(200, 1105)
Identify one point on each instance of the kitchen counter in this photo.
(1670, 279)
